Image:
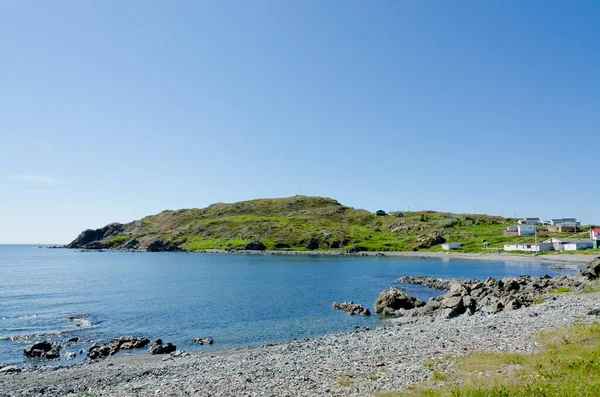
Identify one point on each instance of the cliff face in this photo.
(299, 222)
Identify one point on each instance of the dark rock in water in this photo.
(203, 341)
(429, 281)
(594, 312)
(357, 248)
(158, 348)
(393, 299)
(351, 308)
(74, 339)
(255, 246)
(489, 296)
(121, 343)
(43, 349)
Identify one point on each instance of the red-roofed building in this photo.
(595, 235)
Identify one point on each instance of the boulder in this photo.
(203, 341)
(351, 308)
(395, 299)
(157, 347)
(113, 347)
(255, 246)
(43, 349)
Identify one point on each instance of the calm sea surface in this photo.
(238, 300)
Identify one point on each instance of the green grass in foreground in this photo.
(569, 366)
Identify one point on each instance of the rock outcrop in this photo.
(43, 349)
(203, 341)
(255, 246)
(351, 308)
(91, 238)
(160, 245)
(123, 343)
(393, 299)
(157, 347)
(489, 296)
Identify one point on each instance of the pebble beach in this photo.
(359, 363)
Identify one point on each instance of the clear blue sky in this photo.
(113, 110)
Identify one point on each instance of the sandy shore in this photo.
(360, 363)
(575, 259)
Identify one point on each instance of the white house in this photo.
(528, 247)
(528, 221)
(582, 245)
(570, 244)
(451, 246)
(526, 230)
(564, 222)
(595, 234)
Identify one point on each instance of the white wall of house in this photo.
(539, 247)
(526, 230)
(577, 246)
(528, 221)
(595, 234)
(512, 229)
(451, 246)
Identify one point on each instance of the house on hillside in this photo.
(526, 230)
(528, 221)
(595, 236)
(512, 229)
(570, 244)
(451, 246)
(380, 213)
(529, 247)
(564, 222)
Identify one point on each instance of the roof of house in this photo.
(596, 230)
(569, 240)
(530, 219)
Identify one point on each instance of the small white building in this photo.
(570, 244)
(595, 234)
(528, 221)
(528, 247)
(526, 230)
(578, 246)
(512, 229)
(451, 246)
(564, 222)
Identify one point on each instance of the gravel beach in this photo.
(367, 361)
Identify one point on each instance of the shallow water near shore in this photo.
(238, 300)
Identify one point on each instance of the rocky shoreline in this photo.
(353, 364)
(472, 315)
(564, 259)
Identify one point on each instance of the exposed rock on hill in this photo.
(297, 223)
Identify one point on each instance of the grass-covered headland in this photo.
(302, 223)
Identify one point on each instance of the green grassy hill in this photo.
(299, 223)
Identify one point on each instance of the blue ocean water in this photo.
(238, 300)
